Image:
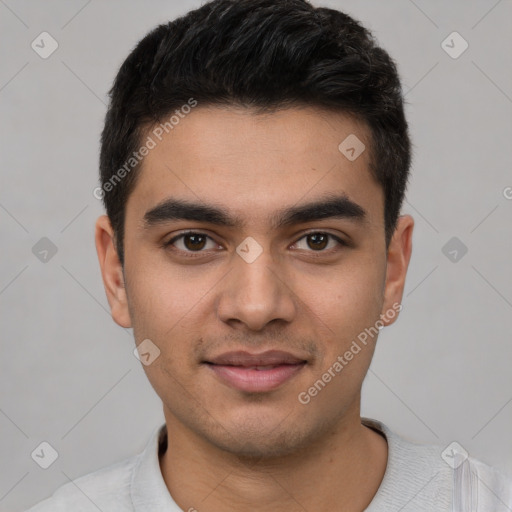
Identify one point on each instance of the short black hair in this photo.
(263, 55)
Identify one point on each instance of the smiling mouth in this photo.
(255, 373)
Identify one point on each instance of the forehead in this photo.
(256, 164)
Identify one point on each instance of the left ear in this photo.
(398, 257)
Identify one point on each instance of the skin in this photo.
(230, 450)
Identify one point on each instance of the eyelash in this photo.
(195, 254)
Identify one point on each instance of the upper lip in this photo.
(268, 358)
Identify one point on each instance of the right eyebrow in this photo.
(178, 209)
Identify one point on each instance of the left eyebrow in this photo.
(338, 206)
(331, 207)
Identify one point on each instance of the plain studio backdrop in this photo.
(68, 374)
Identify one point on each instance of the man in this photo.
(254, 161)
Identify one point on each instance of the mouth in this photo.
(255, 373)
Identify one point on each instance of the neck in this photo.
(342, 471)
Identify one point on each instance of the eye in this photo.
(191, 241)
(318, 241)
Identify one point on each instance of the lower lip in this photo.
(254, 381)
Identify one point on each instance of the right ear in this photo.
(112, 271)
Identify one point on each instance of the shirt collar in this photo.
(149, 491)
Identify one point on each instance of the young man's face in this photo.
(257, 285)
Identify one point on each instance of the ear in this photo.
(111, 271)
(398, 257)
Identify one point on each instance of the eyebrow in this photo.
(338, 207)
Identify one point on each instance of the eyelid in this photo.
(337, 238)
(180, 235)
(188, 232)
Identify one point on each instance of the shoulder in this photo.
(486, 487)
(466, 481)
(105, 489)
(425, 475)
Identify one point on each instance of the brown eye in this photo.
(194, 242)
(317, 241)
(191, 242)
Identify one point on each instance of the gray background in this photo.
(68, 374)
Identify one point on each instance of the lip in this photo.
(238, 369)
(268, 358)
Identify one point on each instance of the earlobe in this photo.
(398, 257)
(111, 271)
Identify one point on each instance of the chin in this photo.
(258, 439)
(260, 447)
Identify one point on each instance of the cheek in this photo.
(163, 312)
(165, 307)
(158, 298)
(344, 313)
(348, 301)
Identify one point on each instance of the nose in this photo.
(255, 294)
